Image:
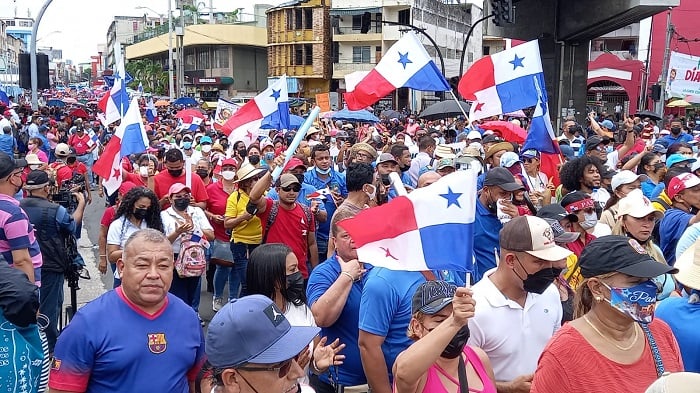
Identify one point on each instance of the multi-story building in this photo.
(360, 38)
(20, 28)
(298, 36)
(123, 29)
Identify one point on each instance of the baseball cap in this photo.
(678, 158)
(9, 164)
(507, 146)
(229, 162)
(490, 138)
(474, 134)
(664, 132)
(288, 179)
(567, 151)
(595, 140)
(607, 124)
(205, 139)
(659, 148)
(252, 329)
(508, 159)
(432, 296)
(126, 187)
(620, 254)
(575, 201)
(501, 177)
(532, 235)
(625, 177)
(445, 162)
(635, 204)
(607, 173)
(62, 150)
(555, 212)
(36, 179)
(386, 157)
(177, 187)
(561, 235)
(530, 153)
(294, 163)
(680, 183)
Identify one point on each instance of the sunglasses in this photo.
(294, 187)
(281, 368)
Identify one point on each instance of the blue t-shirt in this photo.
(334, 180)
(7, 144)
(486, 229)
(111, 346)
(385, 309)
(650, 189)
(345, 327)
(669, 139)
(683, 320)
(671, 229)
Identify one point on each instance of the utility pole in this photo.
(171, 82)
(664, 68)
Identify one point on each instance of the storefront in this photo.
(208, 88)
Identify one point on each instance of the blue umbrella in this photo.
(294, 123)
(186, 101)
(361, 115)
(55, 102)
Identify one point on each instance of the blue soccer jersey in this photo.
(112, 346)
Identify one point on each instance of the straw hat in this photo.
(688, 265)
(444, 151)
(248, 171)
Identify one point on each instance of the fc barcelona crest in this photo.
(157, 343)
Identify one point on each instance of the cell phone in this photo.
(385, 179)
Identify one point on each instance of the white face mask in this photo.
(228, 175)
(589, 220)
(372, 194)
(143, 171)
(206, 148)
(34, 167)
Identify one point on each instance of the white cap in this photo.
(508, 159)
(532, 235)
(683, 382)
(688, 265)
(474, 134)
(695, 166)
(625, 177)
(635, 204)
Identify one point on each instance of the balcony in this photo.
(342, 69)
(225, 19)
(349, 34)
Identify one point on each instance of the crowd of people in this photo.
(585, 279)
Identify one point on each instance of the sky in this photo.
(79, 26)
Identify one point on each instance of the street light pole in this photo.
(171, 82)
(32, 56)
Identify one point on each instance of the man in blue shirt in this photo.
(499, 185)
(684, 192)
(321, 176)
(677, 134)
(8, 143)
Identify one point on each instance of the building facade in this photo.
(299, 45)
(123, 29)
(20, 28)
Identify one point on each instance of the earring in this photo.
(598, 299)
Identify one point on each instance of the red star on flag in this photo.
(479, 105)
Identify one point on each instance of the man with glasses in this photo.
(285, 220)
(18, 244)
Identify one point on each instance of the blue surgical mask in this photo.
(637, 302)
(608, 149)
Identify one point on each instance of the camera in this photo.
(64, 196)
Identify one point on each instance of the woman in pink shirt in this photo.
(433, 363)
(34, 147)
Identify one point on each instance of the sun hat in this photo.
(688, 265)
(444, 151)
(248, 171)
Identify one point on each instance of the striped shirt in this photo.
(17, 233)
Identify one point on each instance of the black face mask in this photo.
(539, 281)
(242, 152)
(295, 286)
(203, 173)
(300, 177)
(404, 168)
(140, 213)
(175, 172)
(491, 205)
(254, 160)
(675, 130)
(455, 347)
(658, 166)
(181, 204)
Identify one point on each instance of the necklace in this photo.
(621, 348)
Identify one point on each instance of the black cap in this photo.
(607, 173)
(555, 212)
(620, 254)
(491, 138)
(501, 177)
(36, 179)
(9, 164)
(596, 140)
(432, 296)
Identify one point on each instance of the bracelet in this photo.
(315, 367)
(103, 255)
(352, 279)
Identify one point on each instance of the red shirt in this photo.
(80, 145)
(577, 246)
(163, 180)
(108, 216)
(290, 227)
(65, 172)
(216, 204)
(134, 178)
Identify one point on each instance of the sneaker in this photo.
(217, 303)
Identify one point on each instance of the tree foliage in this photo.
(150, 74)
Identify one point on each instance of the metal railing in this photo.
(227, 19)
(350, 30)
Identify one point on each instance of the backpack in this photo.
(191, 260)
(274, 209)
(655, 233)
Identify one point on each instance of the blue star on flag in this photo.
(517, 62)
(275, 94)
(452, 197)
(403, 59)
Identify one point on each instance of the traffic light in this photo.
(503, 12)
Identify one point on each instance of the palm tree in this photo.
(148, 73)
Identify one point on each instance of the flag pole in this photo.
(452, 93)
(296, 141)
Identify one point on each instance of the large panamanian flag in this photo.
(430, 228)
(405, 64)
(503, 82)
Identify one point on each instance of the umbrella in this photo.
(444, 109)
(361, 115)
(186, 101)
(649, 114)
(69, 100)
(392, 114)
(79, 113)
(509, 131)
(189, 112)
(679, 104)
(55, 102)
(162, 103)
(294, 123)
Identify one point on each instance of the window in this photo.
(487, 50)
(220, 59)
(298, 55)
(360, 54)
(405, 17)
(298, 18)
(356, 22)
(308, 54)
(190, 60)
(289, 15)
(203, 62)
(308, 18)
(335, 52)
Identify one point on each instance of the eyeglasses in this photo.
(363, 155)
(529, 160)
(294, 187)
(282, 368)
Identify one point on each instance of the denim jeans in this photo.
(186, 289)
(88, 160)
(236, 274)
(51, 293)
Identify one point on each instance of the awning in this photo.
(354, 11)
(616, 89)
(226, 80)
